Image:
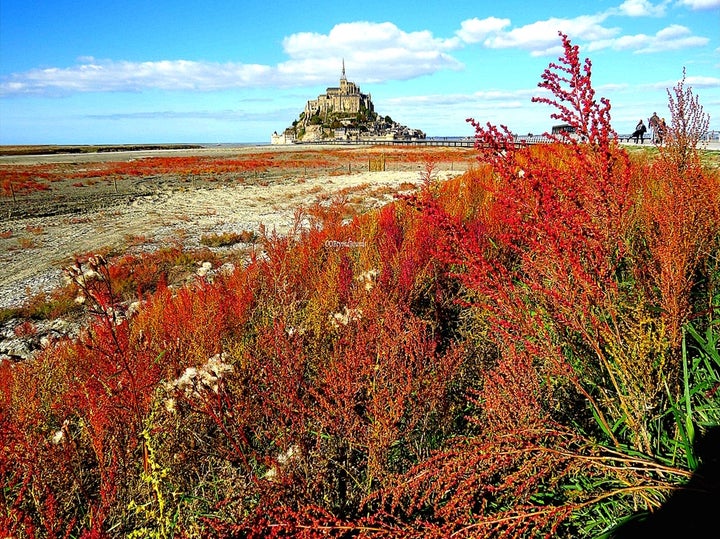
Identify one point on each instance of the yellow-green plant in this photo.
(155, 520)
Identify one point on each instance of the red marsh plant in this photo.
(77, 443)
(492, 357)
(82, 408)
(347, 381)
(550, 271)
(19, 182)
(679, 211)
(16, 180)
(316, 336)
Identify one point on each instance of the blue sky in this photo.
(74, 72)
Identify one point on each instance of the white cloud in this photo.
(700, 4)
(372, 51)
(642, 8)
(703, 82)
(345, 39)
(108, 75)
(476, 30)
(690, 81)
(541, 37)
(671, 37)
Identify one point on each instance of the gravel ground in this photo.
(40, 233)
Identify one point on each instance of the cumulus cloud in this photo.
(690, 81)
(476, 30)
(700, 4)
(703, 82)
(673, 37)
(376, 52)
(345, 38)
(541, 37)
(93, 75)
(642, 8)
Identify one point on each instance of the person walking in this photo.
(639, 133)
(653, 125)
(661, 131)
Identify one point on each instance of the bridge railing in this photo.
(459, 142)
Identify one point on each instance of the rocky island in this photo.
(343, 113)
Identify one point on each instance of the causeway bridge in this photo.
(711, 142)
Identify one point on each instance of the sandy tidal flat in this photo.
(34, 249)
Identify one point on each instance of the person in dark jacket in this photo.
(639, 133)
(653, 126)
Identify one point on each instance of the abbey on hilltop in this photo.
(343, 113)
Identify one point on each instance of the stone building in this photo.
(347, 99)
(343, 113)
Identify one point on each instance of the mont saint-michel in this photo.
(343, 113)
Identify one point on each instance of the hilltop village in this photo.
(343, 113)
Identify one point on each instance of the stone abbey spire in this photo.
(342, 113)
(345, 100)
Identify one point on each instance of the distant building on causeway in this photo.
(346, 99)
(342, 113)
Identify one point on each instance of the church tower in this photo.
(344, 90)
(341, 113)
